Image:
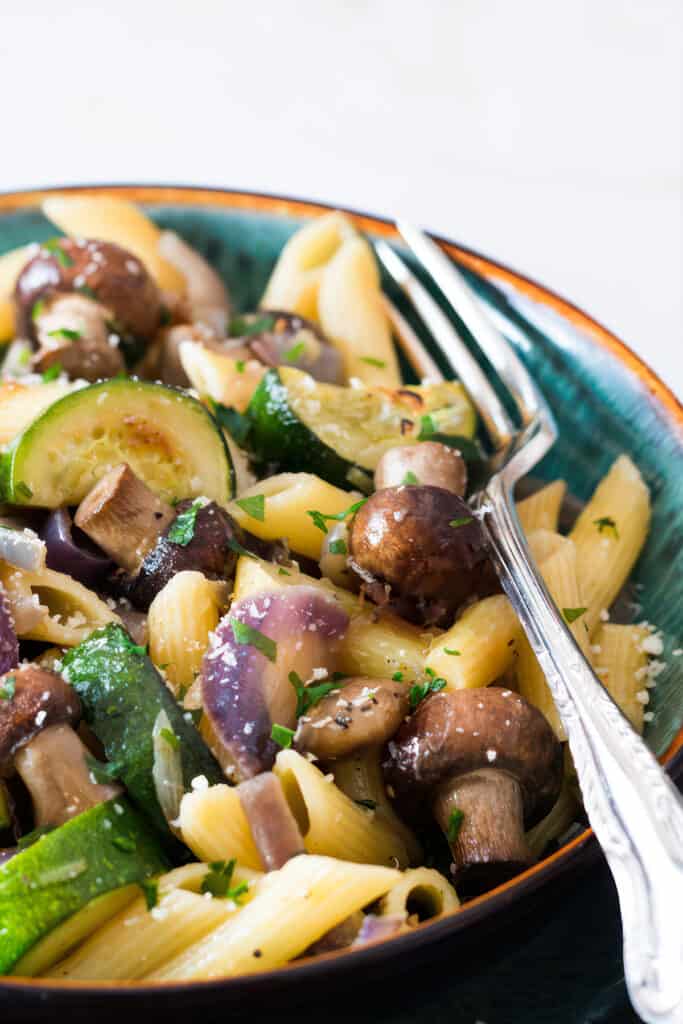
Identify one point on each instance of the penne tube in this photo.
(330, 822)
(421, 893)
(215, 375)
(179, 621)
(11, 265)
(621, 665)
(480, 647)
(292, 909)
(609, 535)
(213, 824)
(541, 510)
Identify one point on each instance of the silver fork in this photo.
(633, 807)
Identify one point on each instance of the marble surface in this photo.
(548, 135)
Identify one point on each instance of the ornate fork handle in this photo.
(635, 810)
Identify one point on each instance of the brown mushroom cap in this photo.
(430, 462)
(41, 698)
(101, 270)
(452, 734)
(423, 542)
(364, 713)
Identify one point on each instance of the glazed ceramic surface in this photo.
(605, 402)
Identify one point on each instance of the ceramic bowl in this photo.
(606, 401)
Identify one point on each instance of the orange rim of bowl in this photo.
(485, 267)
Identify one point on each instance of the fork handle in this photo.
(634, 808)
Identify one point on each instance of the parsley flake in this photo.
(242, 327)
(170, 737)
(308, 696)
(371, 361)
(65, 332)
(461, 522)
(606, 523)
(218, 878)
(240, 365)
(572, 614)
(451, 650)
(427, 428)
(246, 635)
(150, 890)
(283, 572)
(418, 691)
(455, 821)
(282, 735)
(254, 506)
(37, 309)
(182, 529)
(338, 547)
(320, 519)
(295, 352)
(410, 478)
(239, 549)
(51, 373)
(54, 247)
(397, 677)
(8, 688)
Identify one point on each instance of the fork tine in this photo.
(495, 346)
(496, 420)
(417, 355)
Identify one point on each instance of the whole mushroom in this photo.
(489, 766)
(87, 304)
(421, 548)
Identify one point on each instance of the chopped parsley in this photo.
(54, 247)
(370, 804)
(371, 361)
(338, 547)
(295, 352)
(8, 688)
(418, 691)
(170, 737)
(572, 614)
(24, 356)
(451, 650)
(133, 647)
(606, 523)
(23, 490)
(242, 327)
(454, 824)
(150, 890)
(308, 696)
(283, 572)
(32, 837)
(125, 843)
(410, 478)
(240, 365)
(102, 772)
(427, 428)
(237, 425)
(397, 677)
(239, 549)
(246, 635)
(282, 735)
(51, 373)
(37, 309)
(218, 879)
(254, 506)
(182, 529)
(320, 519)
(65, 332)
(461, 522)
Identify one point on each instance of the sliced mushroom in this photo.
(245, 684)
(290, 340)
(489, 765)
(37, 698)
(272, 824)
(427, 464)
(421, 548)
(74, 332)
(123, 516)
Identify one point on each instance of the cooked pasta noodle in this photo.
(213, 824)
(480, 647)
(541, 510)
(621, 664)
(422, 892)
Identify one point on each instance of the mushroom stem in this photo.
(123, 516)
(55, 772)
(487, 842)
(360, 776)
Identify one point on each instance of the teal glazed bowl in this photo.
(606, 401)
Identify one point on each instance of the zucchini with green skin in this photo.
(168, 439)
(122, 695)
(341, 432)
(106, 847)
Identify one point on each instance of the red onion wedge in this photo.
(64, 554)
(245, 677)
(272, 824)
(9, 645)
(376, 928)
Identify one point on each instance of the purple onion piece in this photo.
(76, 558)
(246, 691)
(271, 822)
(9, 645)
(375, 929)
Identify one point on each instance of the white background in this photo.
(546, 133)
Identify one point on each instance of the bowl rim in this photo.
(581, 846)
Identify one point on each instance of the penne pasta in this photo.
(292, 909)
(213, 824)
(11, 263)
(541, 510)
(330, 822)
(215, 375)
(53, 607)
(179, 622)
(621, 665)
(480, 647)
(288, 499)
(421, 893)
(609, 535)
